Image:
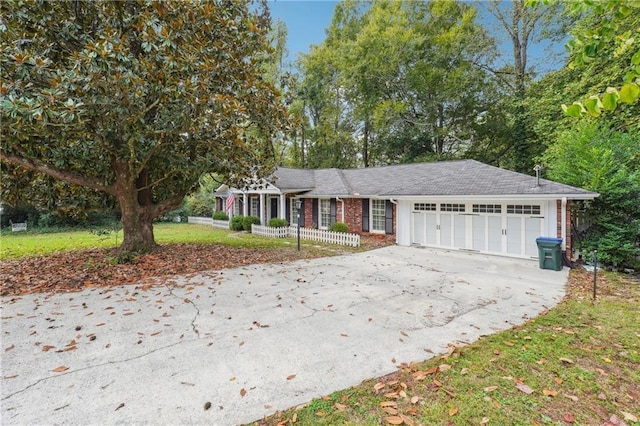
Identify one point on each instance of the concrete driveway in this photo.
(252, 340)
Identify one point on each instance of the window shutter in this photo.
(365, 215)
(388, 217)
(287, 214)
(314, 212)
(332, 211)
(301, 224)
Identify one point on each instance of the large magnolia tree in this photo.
(134, 100)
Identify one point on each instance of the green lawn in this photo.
(20, 244)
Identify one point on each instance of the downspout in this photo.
(563, 224)
(342, 202)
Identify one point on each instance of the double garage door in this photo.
(493, 228)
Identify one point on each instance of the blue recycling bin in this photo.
(550, 253)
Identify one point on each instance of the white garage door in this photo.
(493, 228)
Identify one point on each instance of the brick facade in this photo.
(352, 214)
(568, 241)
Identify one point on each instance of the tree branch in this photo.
(167, 205)
(63, 175)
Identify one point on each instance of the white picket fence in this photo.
(200, 220)
(17, 227)
(267, 231)
(320, 235)
(224, 224)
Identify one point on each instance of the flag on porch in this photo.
(230, 200)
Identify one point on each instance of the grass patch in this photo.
(579, 363)
(22, 244)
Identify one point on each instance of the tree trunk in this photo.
(135, 203)
(365, 147)
(138, 232)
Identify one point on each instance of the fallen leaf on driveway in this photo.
(207, 405)
(291, 377)
(9, 348)
(243, 392)
(119, 406)
(524, 388)
(60, 369)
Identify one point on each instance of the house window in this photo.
(325, 213)
(487, 208)
(294, 213)
(377, 215)
(448, 207)
(254, 207)
(424, 207)
(523, 209)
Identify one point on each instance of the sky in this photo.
(306, 21)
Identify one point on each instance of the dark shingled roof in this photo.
(463, 177)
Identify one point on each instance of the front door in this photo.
(273, 211)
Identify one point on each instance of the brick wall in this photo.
(567, 225)
(352, 214)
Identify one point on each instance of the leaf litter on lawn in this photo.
(76, 270)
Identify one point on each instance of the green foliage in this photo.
(392, 82)
(237, 223)
(131, 102)
(247, 221)
(609, 32)
(594, 157)
(202, 201)
(220, 215)
(277, 222)
(339, 227)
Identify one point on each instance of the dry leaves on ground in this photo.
(80, 269)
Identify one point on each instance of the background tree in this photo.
(133, 100)
(524, 26)
(598, 158)
(394, 82)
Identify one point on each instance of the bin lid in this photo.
(549, 240)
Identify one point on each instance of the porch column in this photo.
(283, 207)
(262, 216)
(245, 204)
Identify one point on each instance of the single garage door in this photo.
(492, 228)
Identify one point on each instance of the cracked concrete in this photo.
(236, 337)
